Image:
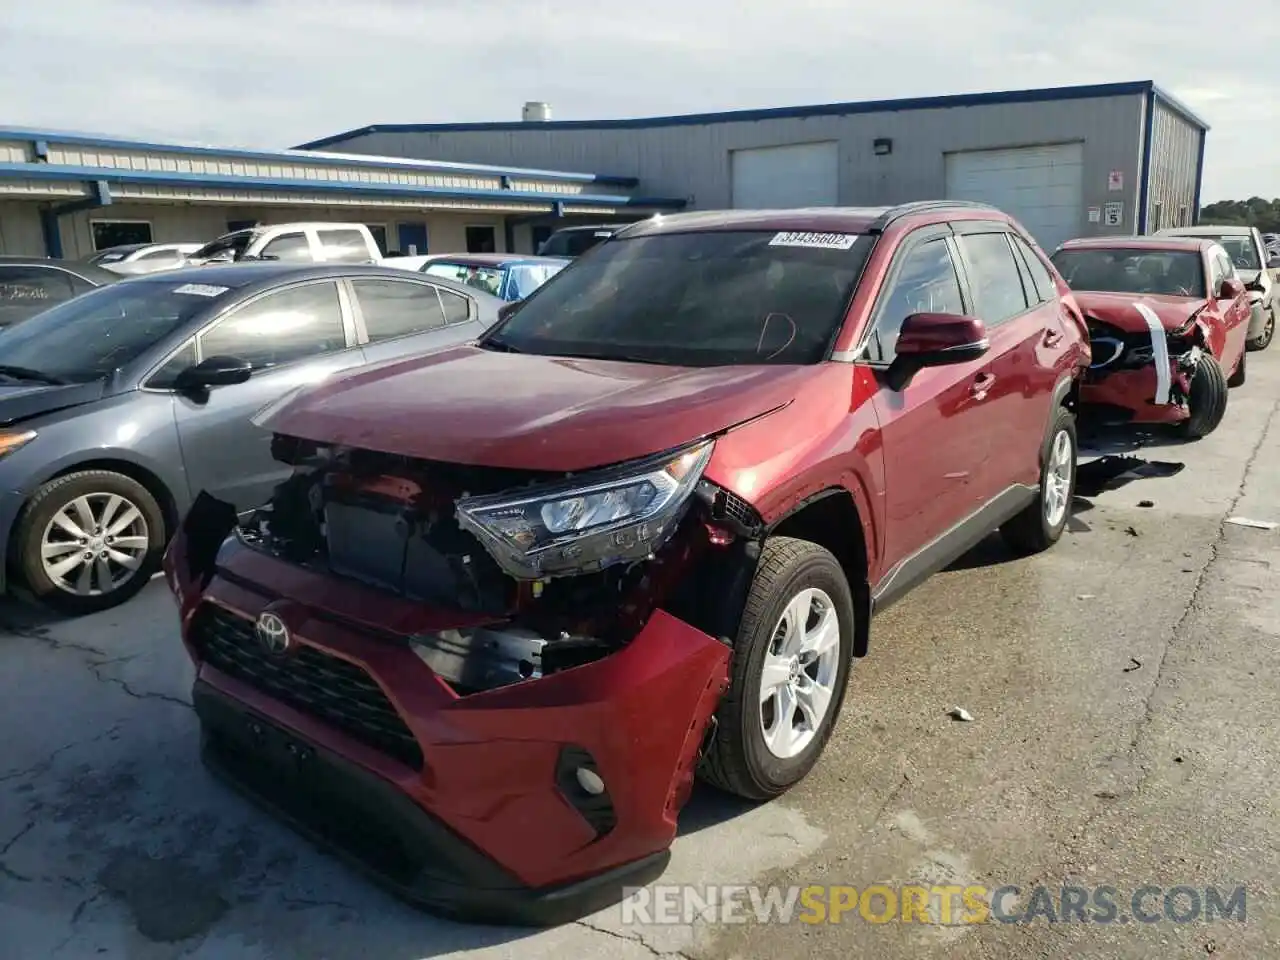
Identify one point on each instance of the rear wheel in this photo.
(88, 541)
(1237, 378)
(1040, 525)
(790, 665)
(1207, 398)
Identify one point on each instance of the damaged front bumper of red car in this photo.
(1141, 377)
(534, 801)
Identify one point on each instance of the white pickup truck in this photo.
(296, 242)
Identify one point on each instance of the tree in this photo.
(1254, 212)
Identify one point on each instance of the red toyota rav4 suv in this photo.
(517, 592)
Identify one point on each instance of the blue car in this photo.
(507, 276)
(118, 407)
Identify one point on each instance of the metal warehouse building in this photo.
(69, 195)
(1105, 159)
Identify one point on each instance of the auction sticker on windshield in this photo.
(822, 241)
(201, 289)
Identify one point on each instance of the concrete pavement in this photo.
(1124, 733)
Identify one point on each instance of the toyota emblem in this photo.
(272, 633)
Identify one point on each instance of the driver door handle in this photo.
(1052, 338)
(981, 384)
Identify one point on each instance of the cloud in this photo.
(274, 72)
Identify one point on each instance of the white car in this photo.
(292, 242)
(132, 259)
(1253, 263)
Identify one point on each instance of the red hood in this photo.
(1118, 310)
(484, 408)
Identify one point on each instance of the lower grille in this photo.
(327, 687)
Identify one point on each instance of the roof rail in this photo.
(926, 206)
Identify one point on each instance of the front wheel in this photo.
(1263, 340)
(1040, 525)
(1206, 398)
(790, 665)
(88, 541)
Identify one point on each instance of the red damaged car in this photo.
(516, 593)
(1168, 322)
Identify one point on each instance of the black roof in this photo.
(94, 274)
(260, 275)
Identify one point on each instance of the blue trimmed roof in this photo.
(1142, 87)
(305, 155)
(45, 171)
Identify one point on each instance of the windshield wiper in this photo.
(35, 376)
(493, 343)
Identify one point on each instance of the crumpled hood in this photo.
(1118, 309)
(486, 408)
(22, 401)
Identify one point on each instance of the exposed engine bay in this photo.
(1117, 350)
(557, 570)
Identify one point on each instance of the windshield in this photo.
(695, 299)
(488, 279)
(91, 336)
(1173, 273)
(234, 243)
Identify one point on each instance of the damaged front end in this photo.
(533, 660)
(1142, 376)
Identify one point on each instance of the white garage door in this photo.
(797, 175)
(1041, 187)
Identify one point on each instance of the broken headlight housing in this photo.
(617, 515)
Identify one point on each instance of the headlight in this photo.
(589, 523)
(11, 440)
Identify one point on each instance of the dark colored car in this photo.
(573, 242)
(29, 285)
(507, 276)
(117, 407)
(516, 593)
(1168, 322)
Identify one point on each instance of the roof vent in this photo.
(535, 111)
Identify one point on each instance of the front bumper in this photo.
(457, 803)
(1129, 395)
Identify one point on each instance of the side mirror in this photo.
(213, 372)
(935, 340)
(1231, 288)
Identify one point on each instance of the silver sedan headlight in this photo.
(591, 522)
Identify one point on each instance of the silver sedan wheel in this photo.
(94, 544)
(1057, 479)
(797, 681)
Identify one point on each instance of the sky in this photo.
(274, 73)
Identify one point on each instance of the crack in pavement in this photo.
(639, 938)
(43, 765)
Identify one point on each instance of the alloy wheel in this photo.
(94, 544)
(1057, 479)
(798, 677)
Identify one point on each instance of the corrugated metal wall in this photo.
(693, 160)
(1175, 155)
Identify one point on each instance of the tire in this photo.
(38, 529)
(1237, 379)
(739, 758)
(1207, 399)
(1263, 340)
(1041, 524)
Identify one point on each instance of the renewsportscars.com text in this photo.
(932, 905)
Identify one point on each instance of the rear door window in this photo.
(457, 309)
(343, 245)
(1042, 285)
(994, 277)
(281, 327)
(392, 308)
(288, 246)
